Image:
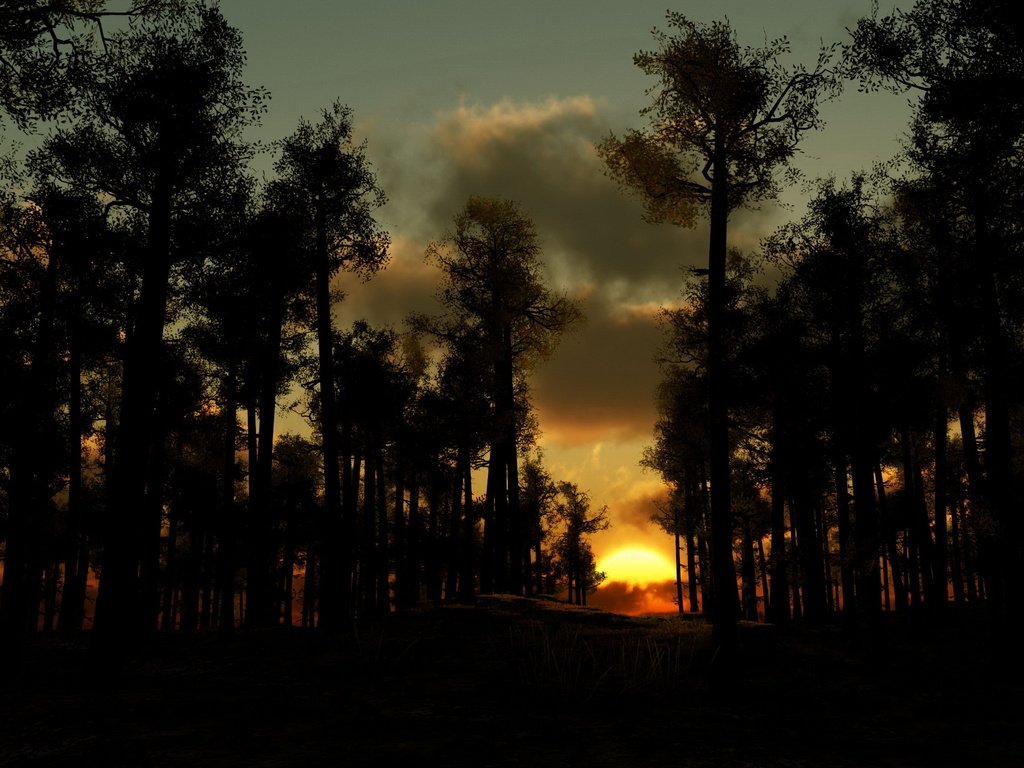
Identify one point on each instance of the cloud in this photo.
(543, 156)
(406, 285)
(633, 600)
(600, 382)
(636, 510)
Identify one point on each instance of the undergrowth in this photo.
(566, 660)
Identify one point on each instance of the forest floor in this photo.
(516, 682)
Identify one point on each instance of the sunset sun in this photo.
(636, 565)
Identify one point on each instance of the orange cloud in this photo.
(637, 510)
(633, 600)
(601, 381)
(469, 133)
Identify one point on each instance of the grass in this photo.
(511, 681)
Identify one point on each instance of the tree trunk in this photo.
(228, 526)
(940, 556)
(845, 539)
(120, 611)
(689, 513)
(415, 541)
(24, 562)
(72, 605)
(749, 575)
(382, 559)
(778, 604)
(1002, 549)
(335, 593)
(466, 561)
(725, 604)
(679, 565)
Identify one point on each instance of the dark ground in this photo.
(508, 682)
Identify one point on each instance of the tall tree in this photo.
(163, 113)
(494, 291)
(325, 178)
(965, 59)
(724, 119)
(575, 557)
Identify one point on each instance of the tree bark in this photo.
(335, 567)
(726, 603)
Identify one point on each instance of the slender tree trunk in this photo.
(679, 566)
(704, 550)
(120, 611)
(382, 559)
(845, 539)
(1002, 551)
(24, 562)
(152, 523)
(794, 563)
(367, 578)
(869, 585)
(489, 559)
(261, 604)
(940, 559)
(452, 535)
(762, 567)
(956, 552)
(72, 606)
(466, 572)
(810, 562)
(726, 604)
(228, 525)
(400, 549)
(415, 541)
(335, 592)
(889, 535)
(778, 604)
(433, 571)
(689, 512)
(749, 575)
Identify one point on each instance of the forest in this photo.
(842, 442)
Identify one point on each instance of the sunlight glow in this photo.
(637, 565)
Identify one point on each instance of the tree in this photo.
(41, 42)
(575, 557)
(161, 125)
(965, 60)
(537, 495)
(61, 292)
(725, 118)
(325, 179)
(497, 299)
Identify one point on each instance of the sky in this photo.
(507, 99)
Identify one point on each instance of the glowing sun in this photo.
(637, 565)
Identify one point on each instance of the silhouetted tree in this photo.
(724, 119)
(325, 179)
(496, 298)
(43, 41)
(575, 557)
(161, 124)
(965, 58)
(537, 496)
